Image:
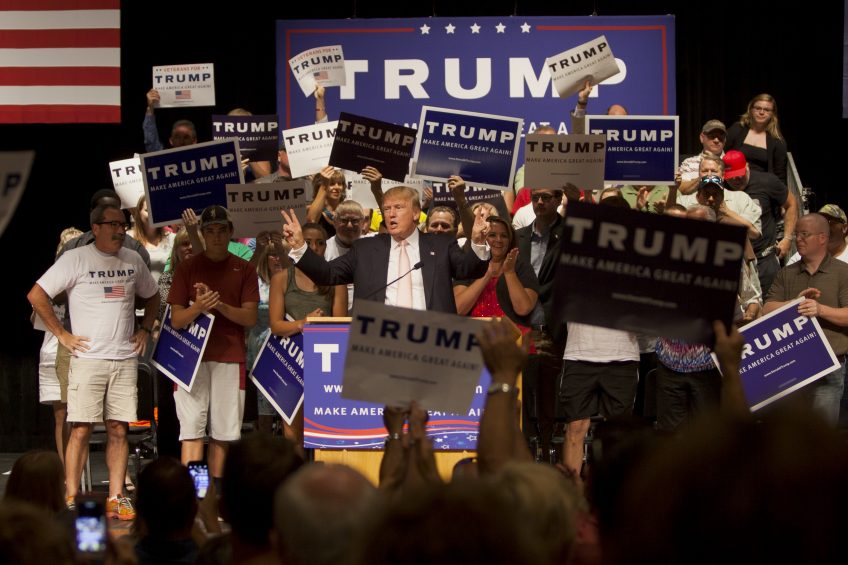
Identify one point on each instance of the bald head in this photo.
(318, 511)
(813, 223)
(617, 110)
(546, 130)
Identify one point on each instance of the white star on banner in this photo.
(500, 27)
(525, 28)
(475, 28)
(449, 28)
(425, 29)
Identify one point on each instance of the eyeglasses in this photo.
(806, 234)
(763, 109)
(115, 225)
(721, 136)
(352, 221)
(543, 196)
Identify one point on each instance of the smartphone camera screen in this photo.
(200, 474)
(91, 526)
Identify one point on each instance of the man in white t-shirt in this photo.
(102, 280)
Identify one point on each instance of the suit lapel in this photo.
(428, 266)
(380, 265)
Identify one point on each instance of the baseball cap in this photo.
(713, 125)
(214, 215)
(734, 164)
(834, 212)
(710, 180)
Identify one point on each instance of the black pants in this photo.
(680, 396)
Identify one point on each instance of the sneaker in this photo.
(121, 508)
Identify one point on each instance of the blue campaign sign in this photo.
(278, 373)
(195, 176)
(480, 148)
(333, 422)
(640, 149)
(486, 64)
(783, 352)
(177, 353)
(257, 135)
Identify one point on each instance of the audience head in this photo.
(701, 212)
(181, 249)
(183, 133)
(838, 222)
(545, 503)
(107, 237)
(616, 110)
(545, 130)
(255, 467)
(268, 262)
(500, 237)
(736, 170)
(710, 192)
(462, 522)
(442, 219)
(28, 536)
(104, 196)
(710, 165)
(401, 208)
(545, 202)
(812, 233)
(676, 210)
(166, 502)
(713, 137)
(318, 513)
(334, 187)
(216, 228)
(348, 221)
(283, 167)
(38, 478)
(315, 237)
(67, 235)
(141, 221)
(739, 490)
(762, 114)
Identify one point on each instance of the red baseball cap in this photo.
(734, 164)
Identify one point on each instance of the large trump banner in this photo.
(493, 65)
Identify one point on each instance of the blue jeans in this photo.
(827, 394)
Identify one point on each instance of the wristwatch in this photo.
(501, 387)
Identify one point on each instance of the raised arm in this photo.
(523, 299)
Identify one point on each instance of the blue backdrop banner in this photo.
(486, 64)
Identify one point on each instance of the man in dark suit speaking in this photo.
(402, 268)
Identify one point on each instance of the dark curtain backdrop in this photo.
(726, 53)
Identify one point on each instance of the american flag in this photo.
(116, 291)
(322, 75)
(60, 61)
(182, 94)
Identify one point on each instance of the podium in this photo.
(351, 432)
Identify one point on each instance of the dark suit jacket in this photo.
(366, 266)
(549, 262)
(775, 149)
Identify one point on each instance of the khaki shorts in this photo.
(216, 399)
(102, 389)
(63, 365)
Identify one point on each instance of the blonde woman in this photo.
(757, 135)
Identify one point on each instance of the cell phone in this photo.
(91, 524)
(199, 471)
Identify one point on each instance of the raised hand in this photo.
(292, 232)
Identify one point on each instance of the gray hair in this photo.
(709, 212)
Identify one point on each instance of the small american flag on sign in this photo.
(182, 94)
(116, 291)
(323, 75)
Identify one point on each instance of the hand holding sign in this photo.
(292, 232)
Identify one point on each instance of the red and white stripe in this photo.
(60, 61)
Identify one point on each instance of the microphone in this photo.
(415, 267)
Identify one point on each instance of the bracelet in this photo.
(495, 388)
(579, 103)
(392, 436)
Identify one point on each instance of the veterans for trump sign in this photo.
(783, 351)
(640, 149)
(361, 142)
(185, 85)
(321, 65)
(550, 161)
(659, 275)
(480, 148)
(195, 176)
(592, 61)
